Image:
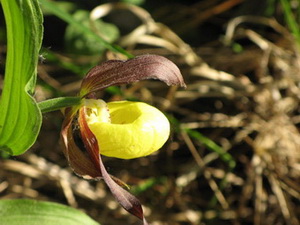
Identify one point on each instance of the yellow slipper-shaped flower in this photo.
(126, 129)
(118, 129)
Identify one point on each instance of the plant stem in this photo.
(58, 103)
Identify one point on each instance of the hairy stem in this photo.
(58, 103)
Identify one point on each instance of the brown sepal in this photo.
(129, 202)
(116, 72)
(78, 159)
(88, 163)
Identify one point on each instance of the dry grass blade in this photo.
(206, 172)
(260, 195)
(208, 13)
(285, 208)
(68, 192)
(42, 171)
(235, 22)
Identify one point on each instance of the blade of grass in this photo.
(148, 184)
(51, 7)
(225, 156)
(211, 145)
(291, 20)
(218, 195)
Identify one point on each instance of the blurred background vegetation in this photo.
(234, 153)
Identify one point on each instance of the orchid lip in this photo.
(127, 129)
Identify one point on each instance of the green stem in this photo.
(58, 103)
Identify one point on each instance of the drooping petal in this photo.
(116, 72)
(78, 159)
(126, 200)
(82, 161)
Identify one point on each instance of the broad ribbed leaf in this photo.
(116, 72)
(20, 117)
(25, 212)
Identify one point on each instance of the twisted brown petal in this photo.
(83, 162)
(126, 200)
(116, 72)
(79, 161)
(89, 164)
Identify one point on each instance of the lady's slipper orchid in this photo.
(119, 129)
(126, 129)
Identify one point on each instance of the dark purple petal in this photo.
(78, 160)
(125, 199)
(117, 72)
(83, 162)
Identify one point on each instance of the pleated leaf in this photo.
(20, 117)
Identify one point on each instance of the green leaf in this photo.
(81, 43)
(25, 212)
(20, 117)
(60, 13)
